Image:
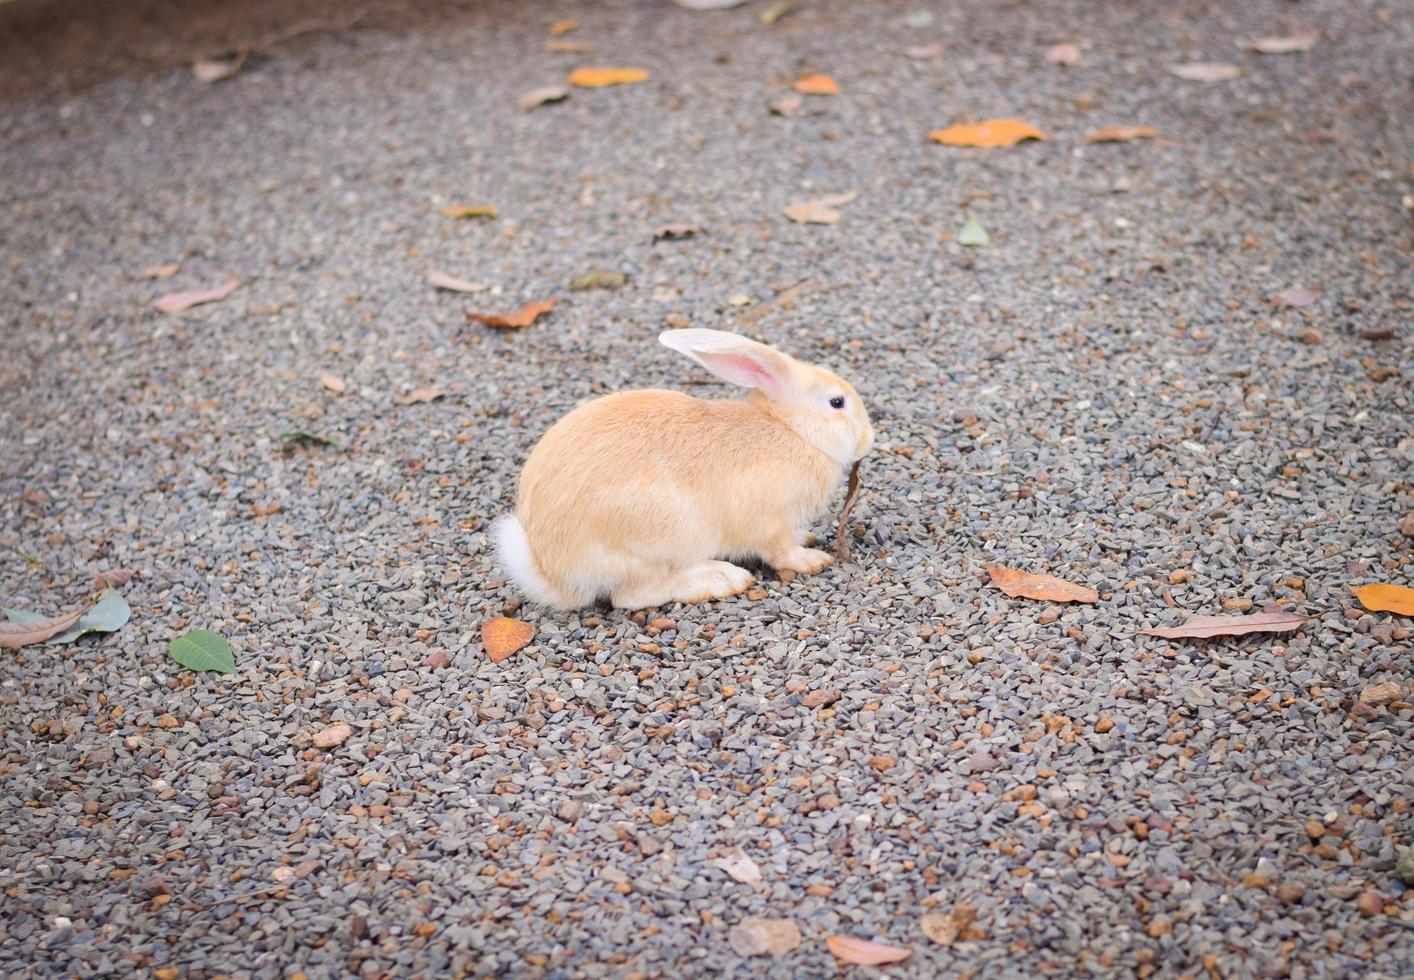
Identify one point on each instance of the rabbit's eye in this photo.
(837, 402)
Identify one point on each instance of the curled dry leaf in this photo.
(568, 47)
(864, 953)
(24, 632)
(1205, 71)
(947, 928)
(1064, 53)
(111, 578)
(851, 494)
(1293, 43)
(755, 936)
(816, 85)
(443, 281)
(539, 96)
(1296, 296)
(181, 302)
(989, 133)
(1384, 597)
(468, 211)
(671, 232)
(601, 77)
(1206, 627)
(1122, 134)
(333, 382)
(739, 865)
(518, 320)
(503, 636)
(159, 271)
(564, 26)
(1047, 588)
(599, 279)
(419, 396)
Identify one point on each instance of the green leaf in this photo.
(973, 233)
(203, 650)
(110, 613)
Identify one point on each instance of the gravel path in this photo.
(1104, 391)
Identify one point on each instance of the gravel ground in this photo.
(1103, 391)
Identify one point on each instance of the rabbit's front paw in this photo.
(802, 561)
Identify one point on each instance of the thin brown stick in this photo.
(842, 526)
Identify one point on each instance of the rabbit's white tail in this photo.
(514, 549)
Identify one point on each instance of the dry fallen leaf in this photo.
(1386, 598)
(670, 232)
(210, 70)
(181, 302)
(816, 85)
(923, 52)
(818, 212)
(947, 928)
(159, 271)
(111, 578)
(1206, 627)
(775, 12)
(20, 634)
(989, 133)
(520, 319)
(755, 936)
(334, 383)
(539, 96)
(443, 281)
(1064, 53)
(335, 735)
(1205, 71)
(468, 211)
(1122, 134)
(564, 26)
(600, 77)
(1296, 296)
(1294, 43)
(864, 953)
(419, 395)
(739, 865)
(787, 105)
(851, 494)
(1048, 588)
(503, 636)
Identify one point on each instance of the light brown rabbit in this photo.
(638, 496)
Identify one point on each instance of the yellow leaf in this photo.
(600, 77)
(989, 133)
(468, 211)
(817, 85)
(1397, 599)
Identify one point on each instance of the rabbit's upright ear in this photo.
(734, 358)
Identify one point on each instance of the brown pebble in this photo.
(336, 734)
(1049, 615)
(1291, 892)
(1370, 904)
(1104, 725)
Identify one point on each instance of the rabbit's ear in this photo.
(734, 358)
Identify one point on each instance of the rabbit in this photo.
(639, 495)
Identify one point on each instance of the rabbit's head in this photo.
(817, 404)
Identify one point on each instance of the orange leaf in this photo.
(503, 637)
(1206, 627)
(1387, 598)
(564, 26)
(600, 77)
(989, 133)
(523, 317)
(1044, 587)
(817, 85)
(1122, 134)
(568, 47)
(865, 953)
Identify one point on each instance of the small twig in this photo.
(842, 527)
